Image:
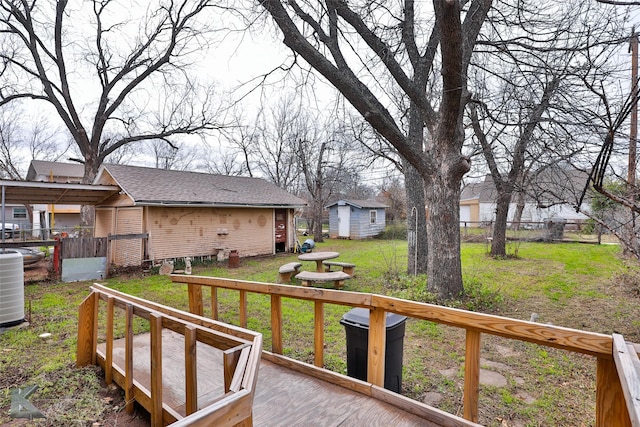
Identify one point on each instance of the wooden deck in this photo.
(187, 361)
(282, 397)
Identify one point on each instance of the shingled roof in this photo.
(42, 170)
(550, 186)
(149, 186)
(361, 204)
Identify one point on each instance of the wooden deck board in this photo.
(283, 397)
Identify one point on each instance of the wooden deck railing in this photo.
(618, 368)
(241, 352)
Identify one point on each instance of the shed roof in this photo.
(61, 172)
(484, 191)
(361, 204)
(150, 186)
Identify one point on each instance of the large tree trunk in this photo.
(520, 202)
(416, 221)
(87, 212)
(414, 188)
(499, 241)
(443, 228)
(317, 222)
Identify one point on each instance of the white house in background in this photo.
(61, 217)
(546, 198)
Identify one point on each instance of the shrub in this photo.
(394, 231)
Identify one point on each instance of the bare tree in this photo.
(324, 160)
(528, 81)
(176, 156)
(364, 50)
(24, 140)
(380, 148)
(58, 54)
(223, 161)
(275, 142)
(606, 175)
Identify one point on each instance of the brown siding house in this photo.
(191, 214)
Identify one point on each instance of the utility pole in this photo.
(633, 134)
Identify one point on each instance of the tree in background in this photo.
(112, 80)
(367, 51)
(528, 83)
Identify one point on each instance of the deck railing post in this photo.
(611, 409)
(85, 351)
(128, 359)
(190, 369)
(155, 323)
(377, 343)
(276, 324)
(214, 303)
(472, 376)
(108, 364)
(195, 299)
(243, 309)
(318, 333)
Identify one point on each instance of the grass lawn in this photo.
(574, 285)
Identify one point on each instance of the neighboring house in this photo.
(356, 219)
(56, 217)
(189, 214)
(546, 198)
(15, 218)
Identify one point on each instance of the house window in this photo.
(374, 216)
(19, 213)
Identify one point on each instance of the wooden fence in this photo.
(83, 247)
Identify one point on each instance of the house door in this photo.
(281, 230)
(344, 221)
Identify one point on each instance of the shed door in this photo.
(281, 229)
(344, 221)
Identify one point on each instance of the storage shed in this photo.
(356, 219)
(191, 214)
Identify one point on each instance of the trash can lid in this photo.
(360, 317)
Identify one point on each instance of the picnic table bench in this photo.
(286, 270)
(347, 267)
(309, 277)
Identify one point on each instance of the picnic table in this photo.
(318, 257)
(309, 277)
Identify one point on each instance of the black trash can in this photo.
(356, 325)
